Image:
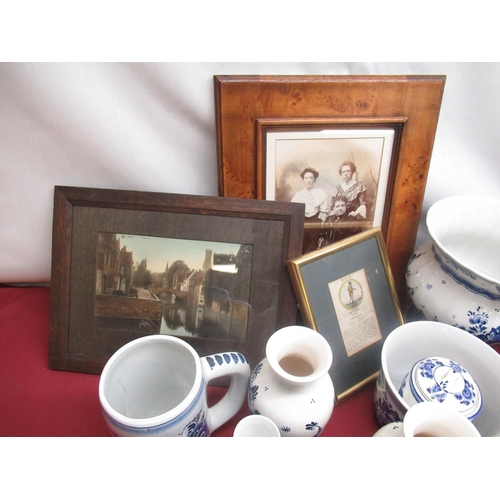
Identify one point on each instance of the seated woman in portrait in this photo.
(353, 190)
(337, 225)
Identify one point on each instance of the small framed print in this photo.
(346, 292)
(209, 270)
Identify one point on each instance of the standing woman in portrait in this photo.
(353, 190)
(316, 208)
(315, 199)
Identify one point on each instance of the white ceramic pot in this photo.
(411, 342)
(291, 385)
(156, 386)
(455, 277)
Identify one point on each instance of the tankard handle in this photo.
(226, 364)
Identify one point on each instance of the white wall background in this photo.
(151, 127)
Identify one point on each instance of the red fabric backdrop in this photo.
(37, 401)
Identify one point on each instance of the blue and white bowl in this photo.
(455, 277)
(411, 342)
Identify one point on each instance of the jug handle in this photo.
(226, 364)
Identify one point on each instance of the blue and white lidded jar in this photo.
(445, 381)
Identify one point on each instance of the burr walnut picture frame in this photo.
(209, 270)
(246, 104)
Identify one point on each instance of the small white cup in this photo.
(256, 426)
(432, 419)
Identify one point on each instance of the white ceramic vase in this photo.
(455, 277)
(291, 385)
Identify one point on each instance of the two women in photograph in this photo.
(346, 204)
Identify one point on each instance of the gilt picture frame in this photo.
(209, 270)
(241, 100)
(346, 292)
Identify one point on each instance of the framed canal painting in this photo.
(209, 270)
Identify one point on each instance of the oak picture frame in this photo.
(78, 342)
(413, 100)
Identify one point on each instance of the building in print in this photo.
(114, 265)
(118, 304)
(207, 263)
(211, 302)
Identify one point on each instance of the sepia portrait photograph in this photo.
(341, 175)
(186, 288)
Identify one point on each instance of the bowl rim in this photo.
(432, 231)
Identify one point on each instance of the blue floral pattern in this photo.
(386, 409)
(253, 392)
(444, 381)
(198, 427)
(439, 390)
(478, 321)
(312, 426)
(255, 372)
(469, 303)
(260, 392)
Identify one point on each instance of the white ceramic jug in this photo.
(156, 386)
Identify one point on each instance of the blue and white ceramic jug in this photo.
(157, 386)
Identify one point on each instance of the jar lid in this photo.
(443, 380)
